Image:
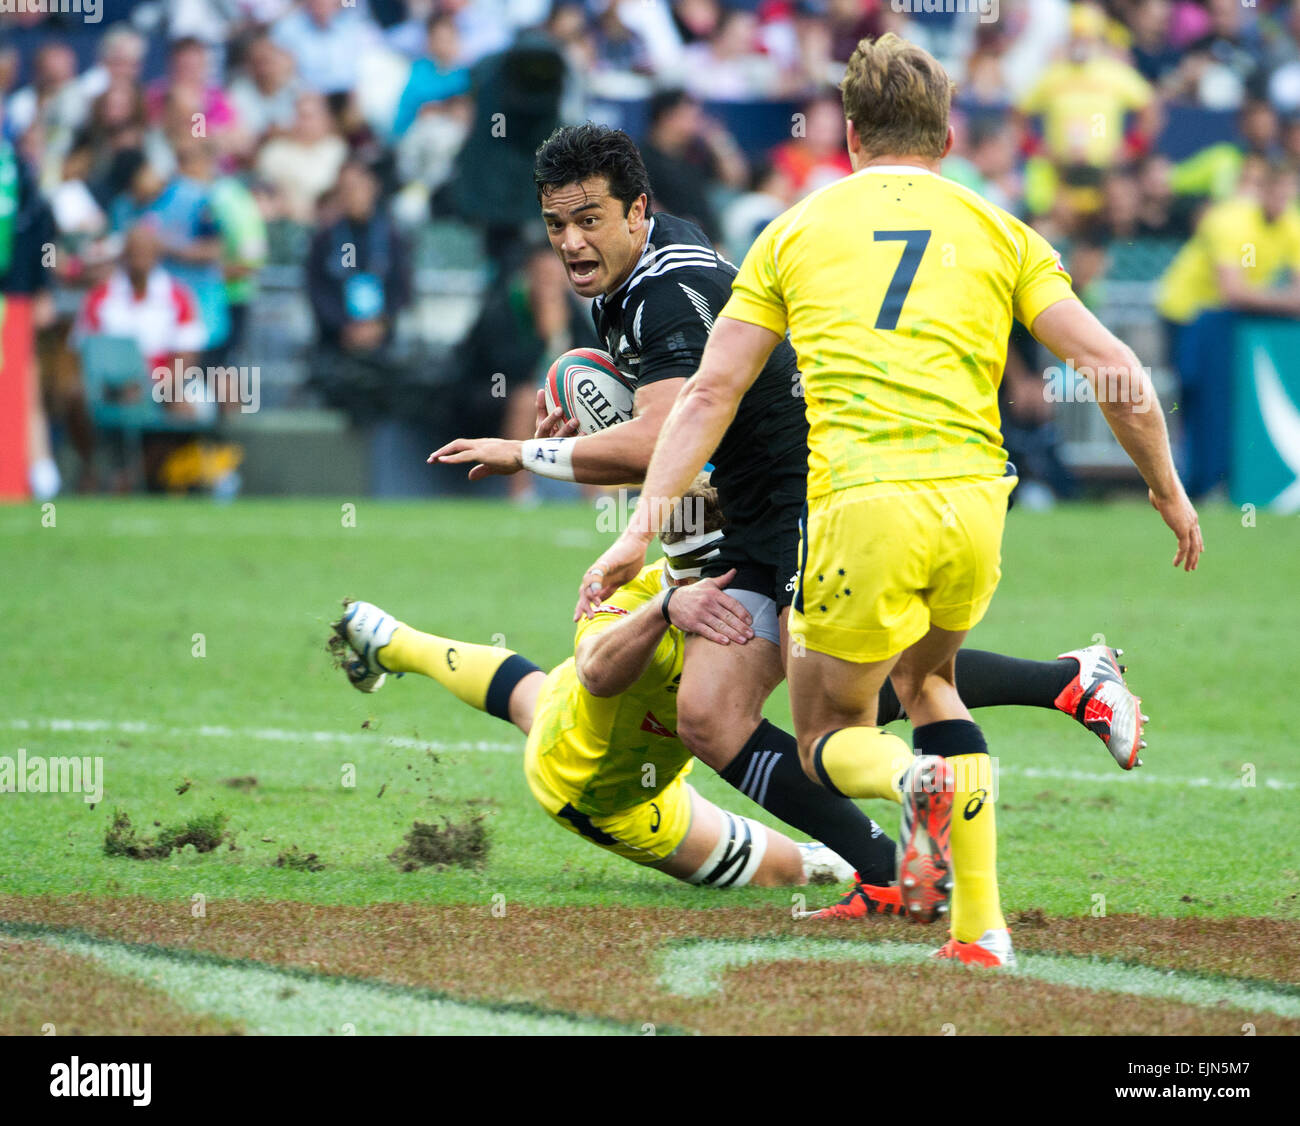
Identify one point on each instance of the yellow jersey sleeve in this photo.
(627, 600)
(1043, 279)
(1131, 88)
(756, 294)
(1224, 237)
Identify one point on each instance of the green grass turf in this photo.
(100, 612)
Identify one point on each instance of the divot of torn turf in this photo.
(275, 1002)
(695, 969)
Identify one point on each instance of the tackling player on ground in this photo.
(898, 289)
(603, 757)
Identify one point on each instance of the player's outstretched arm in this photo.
(618, 455)
(732, 360)
(1128, 400)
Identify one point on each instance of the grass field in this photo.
(184, 644)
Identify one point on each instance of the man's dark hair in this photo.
(575, 152)
(663, 102)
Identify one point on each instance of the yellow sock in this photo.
(463, 669)
(975, 904)
(863, 762)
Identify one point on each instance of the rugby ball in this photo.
(588, 387)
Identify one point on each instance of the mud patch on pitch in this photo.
(607, 962)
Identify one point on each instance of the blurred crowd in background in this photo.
(341, 194)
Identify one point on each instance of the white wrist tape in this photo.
(737, 855)
(550, 457)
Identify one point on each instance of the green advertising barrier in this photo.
(1266, 414)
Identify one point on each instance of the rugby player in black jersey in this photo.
(657, 284)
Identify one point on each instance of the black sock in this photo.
(990, 680)
(767, 770)
(948, 738)
(504, 682)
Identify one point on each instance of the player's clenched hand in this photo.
(702, 608)
(1179, 513)
(617, 566)
(495, 456)
(551, 424)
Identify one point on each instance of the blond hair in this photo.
(695, 512)
(898, 97)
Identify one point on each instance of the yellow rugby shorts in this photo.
(883, 562)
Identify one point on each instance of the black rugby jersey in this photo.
(655, 325)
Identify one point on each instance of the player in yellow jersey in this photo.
(898, 289)
(1243, 258)
(603, 756)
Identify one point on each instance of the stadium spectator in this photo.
(141, 300)
(326, 42)
(53, 99)
(1215, 171)
(517, 96)
(687, 156)
(305, 162)
(985, 161)
(696, 20)
(729, 67)
(179, 210)
(1225, 65)
(1164, 213)
(358, 274)
(120, 60)
(435, 78)
(816, 155)
(117, 125)
(1083, 101)
(189, 84)
(265, 95)
(1283, 59)
(243, 254)
(1243, 258)
(1154, 56)
(850, 21)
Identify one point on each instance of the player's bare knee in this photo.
(711, 733)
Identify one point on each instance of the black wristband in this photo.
(663, 606)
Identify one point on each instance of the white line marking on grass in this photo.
(271, 1002)
(695, 969)
(294, 735)
(1129, 777)
(263, 734)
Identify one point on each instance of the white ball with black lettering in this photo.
(588, 386)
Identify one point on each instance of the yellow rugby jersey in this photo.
(597, 749)
(1235, 234)
(898, 288)
(1083, 107)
